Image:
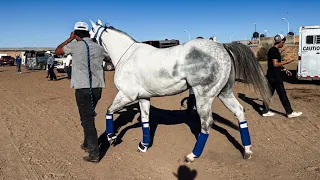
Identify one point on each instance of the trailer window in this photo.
(309, 40)
(318, 39)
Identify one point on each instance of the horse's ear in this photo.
(94, 26)
(99, 22)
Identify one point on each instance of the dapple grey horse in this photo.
(207, 67)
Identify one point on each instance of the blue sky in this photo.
(48, 23)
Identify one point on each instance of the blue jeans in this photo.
(19, 67)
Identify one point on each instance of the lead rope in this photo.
(90, 79)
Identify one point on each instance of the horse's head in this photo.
(96, 30)
(114, 41)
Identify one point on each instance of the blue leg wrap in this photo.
(109, 123)
(146, 133)
(244, 132)
(201, 142)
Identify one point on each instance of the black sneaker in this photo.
(91, 158)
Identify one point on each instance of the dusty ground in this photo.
(40, 134)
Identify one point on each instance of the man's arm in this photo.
(59, 50)
(279, 64)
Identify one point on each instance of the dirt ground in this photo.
(40, 135)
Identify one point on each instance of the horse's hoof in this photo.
(189, 158)
(142, 148)
(111, 138)
(247, 155)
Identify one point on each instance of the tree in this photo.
(262, 54)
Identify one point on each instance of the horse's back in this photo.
(205, 62)
(169, 70)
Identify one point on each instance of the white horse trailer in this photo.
(309, 53)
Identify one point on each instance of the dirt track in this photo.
(40, 135)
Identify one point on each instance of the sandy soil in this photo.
(40, 135)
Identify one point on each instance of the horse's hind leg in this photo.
(119, 102)
(205, 113)
(229, 100)
(144, 109)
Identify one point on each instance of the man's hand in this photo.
(289, 61)
(72, 36)
(59, 50)
(289, 73)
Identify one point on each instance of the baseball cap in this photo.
(279, 37)
(48, 52)
(81, 26)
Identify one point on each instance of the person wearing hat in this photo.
(50, 64)
(87, 81)
(275, 66)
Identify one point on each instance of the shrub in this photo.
(262, 54)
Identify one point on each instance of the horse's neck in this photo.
(117, 46)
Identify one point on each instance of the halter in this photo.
(100, 41)
(95, 35)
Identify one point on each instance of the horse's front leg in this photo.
(144, 112)
(119, 102)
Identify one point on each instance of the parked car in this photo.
(35, 60)
(107, 64)
(163, 43)
(7, 60)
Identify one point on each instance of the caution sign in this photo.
(311, 48)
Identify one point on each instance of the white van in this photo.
(309, 53)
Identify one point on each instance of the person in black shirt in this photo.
(275, 66)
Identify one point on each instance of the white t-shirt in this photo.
(69, 58)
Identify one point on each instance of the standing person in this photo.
(88, 80)
(50, 63)
(275, 66)
(68, 65)
(18, 61)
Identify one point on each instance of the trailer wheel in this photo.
(109, 67)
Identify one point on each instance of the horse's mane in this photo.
(118, 30)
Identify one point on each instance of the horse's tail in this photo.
(248, 68)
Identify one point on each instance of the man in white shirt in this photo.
(68, 65)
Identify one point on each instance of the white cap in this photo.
(81, 26)
(48, 52)
(279, 37)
